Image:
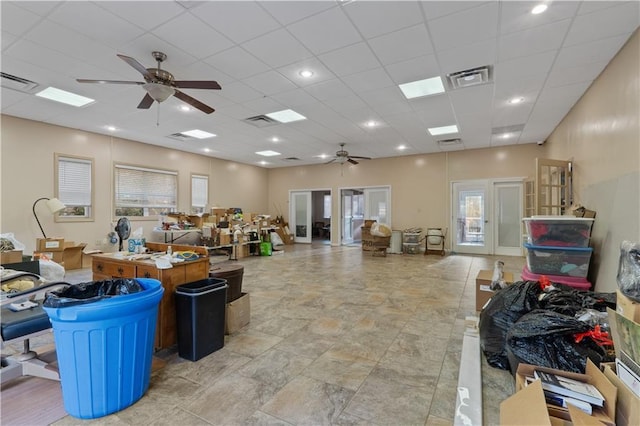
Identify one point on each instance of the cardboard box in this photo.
(628, 405)
(528, 407)
(483, 290)
(237, 314)
(225, 238)
(56, 256)
(72, 255)
(627, 307)
(11, 256)
(49, 244)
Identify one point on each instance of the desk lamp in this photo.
(54, 206)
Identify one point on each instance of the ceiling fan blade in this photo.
(146, 102)
(137, 65)
(84, 80)
(352, 161)
(196, 84)
(193, 102)
(360, 158)
(330, 161)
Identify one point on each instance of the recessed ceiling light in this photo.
(402, 147)
(443, 130)
(416, 89)
(506, 135)
(185, 108)
(267, 153)
(306, 73)
(263, 163)
(206, 150)
(286, 116)
(371, 123)
(64, 97)
(275, 139)
(516, 100)
(111, 128)
(539, 9)
(198, 134)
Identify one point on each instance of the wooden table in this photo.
(110, 265)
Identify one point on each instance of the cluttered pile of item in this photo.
(575, 352)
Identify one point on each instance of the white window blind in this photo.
(199, 192)
(74, 181)
(145, 188)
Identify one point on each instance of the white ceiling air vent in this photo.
(20, 84)
(449, 142)
(261, 121)
(516, 128)
(180, 137)
(291, 159)
(470, 77)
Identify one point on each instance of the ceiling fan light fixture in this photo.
(159, 92)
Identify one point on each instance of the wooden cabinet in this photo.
(106, 266)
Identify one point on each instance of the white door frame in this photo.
(365, 190)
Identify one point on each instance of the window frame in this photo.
(147, 217)
(206, 178)
(90, 217)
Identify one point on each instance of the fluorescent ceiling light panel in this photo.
(198, 134)
(286, 116)
(417, 89)
(443, 130)
(65, 97)
(267, 153)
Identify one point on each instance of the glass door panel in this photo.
(300, 202)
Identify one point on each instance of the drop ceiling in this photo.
(359, 52)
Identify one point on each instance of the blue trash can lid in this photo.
(202, 286)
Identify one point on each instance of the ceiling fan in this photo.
(160, 84)
(343, 156)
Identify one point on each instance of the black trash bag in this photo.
(548, 339)
(90, 292)
(503, 310)
(567, 300)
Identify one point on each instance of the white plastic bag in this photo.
(276, 240)
(380, 230)
(51, 271)
(17, 245)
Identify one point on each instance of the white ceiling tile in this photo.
(278, 48)
(42, 8)
(467, 57)
(287, 12)
(240, 92)
(16, 20)
(586, 53)
(414, 69)
(269, 83)
(237, 63)
(382, 17)
(534, 40)
(320, 72)
(435, 111)
(517, 16)
(466, 27)
(7, 39)
(563, 76)
(402, 45)
(193, 36)
(325, 31)
(525, 66)
(30, 52)
(598, 5)
(511, 115)
(609, 22)
(237, 20)
(346, 103)
(368, 80)
(437, 9)
(350, 60)
(137, 12)
(382, 96)
(528, 86)
(569, 93)
(470, 99)
(391, 108)
(328, 89)
(103, 27)
(293, 98)
(142, 50)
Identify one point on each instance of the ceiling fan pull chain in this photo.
(158, 116)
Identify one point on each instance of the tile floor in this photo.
(336, 337)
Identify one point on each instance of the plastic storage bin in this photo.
(564, 261)
(411, 248)
(200, 317)
(575, 282)
(232, 272)
(104, 350)
(558, 231)
(411, 237)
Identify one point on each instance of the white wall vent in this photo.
(20, 84)
(470, 77)
(261, 121)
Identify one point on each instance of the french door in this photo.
(300, 215)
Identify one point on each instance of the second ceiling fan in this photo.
(343, 156)
(160, 84)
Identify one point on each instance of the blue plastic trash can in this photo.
(105, 350)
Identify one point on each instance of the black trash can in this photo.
(200, 317)
(231, 272)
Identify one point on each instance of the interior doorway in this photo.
(310, 215)
(358, 204)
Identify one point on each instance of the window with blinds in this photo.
(199, 193)
(74, 186)
(144, 192)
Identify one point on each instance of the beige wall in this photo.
(601, 135)
(28, 149)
